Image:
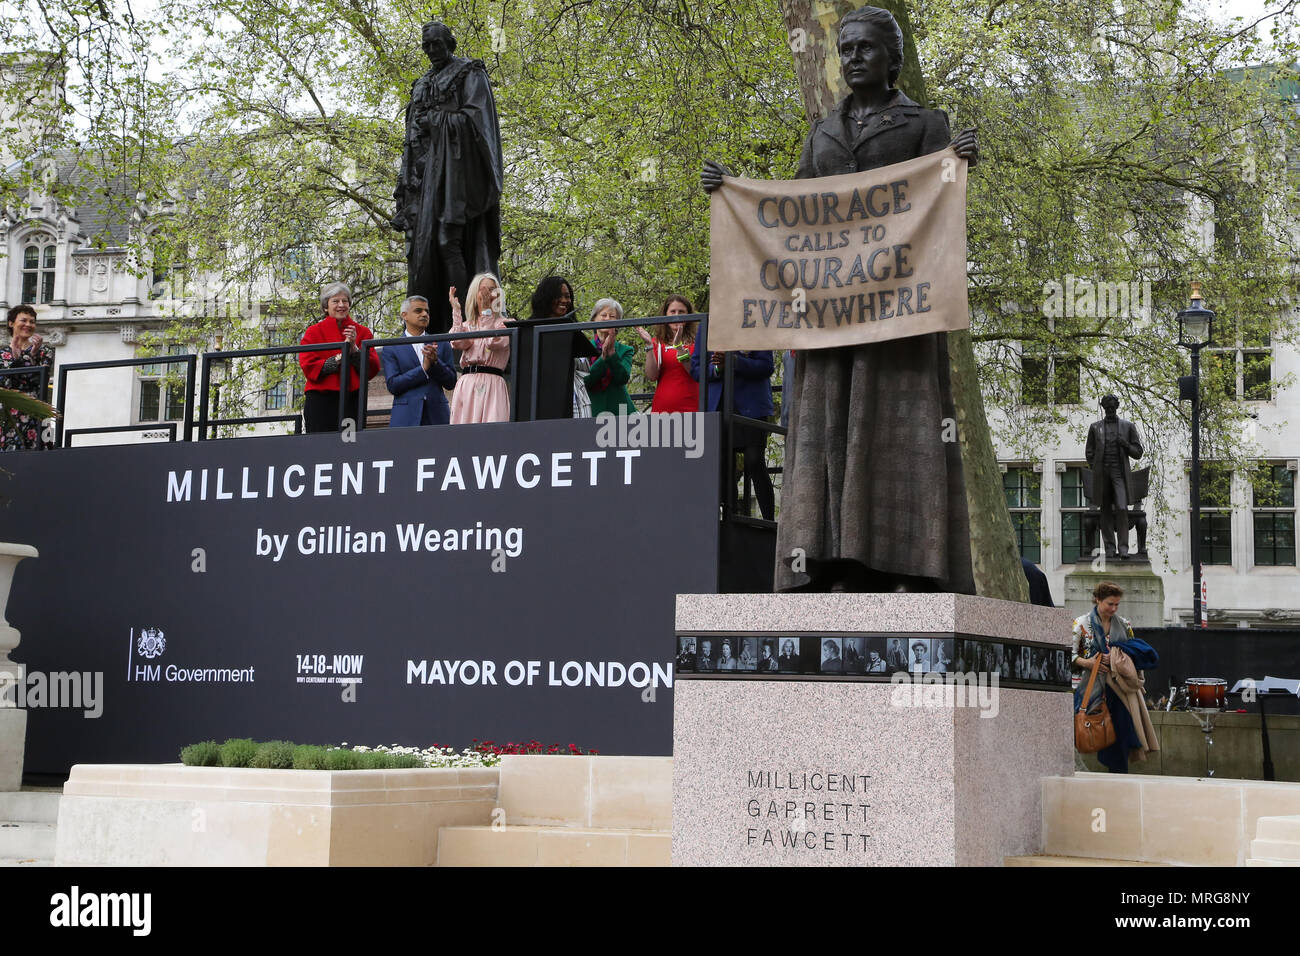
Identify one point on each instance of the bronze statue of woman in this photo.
(873, 496)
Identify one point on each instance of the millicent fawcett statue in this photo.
(1111, 443)
(874, 497)
(449, 187)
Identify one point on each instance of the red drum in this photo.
(1206, 693)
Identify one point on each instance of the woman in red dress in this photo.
(676, 391)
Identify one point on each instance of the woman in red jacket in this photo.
(668, 360)
(320, 410)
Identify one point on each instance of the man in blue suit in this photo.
(416, 374)
(753, 399)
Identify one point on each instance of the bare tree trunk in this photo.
(994, 557)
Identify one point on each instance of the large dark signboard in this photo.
(414, 586)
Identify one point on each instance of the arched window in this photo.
(39, 256)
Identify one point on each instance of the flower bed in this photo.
(283, 755)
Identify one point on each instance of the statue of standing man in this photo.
(449, 186)
(1111, 443)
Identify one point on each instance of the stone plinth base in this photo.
(13, 726)
(865, 770)
(1144, 591)
(169, 815)
(13, 736)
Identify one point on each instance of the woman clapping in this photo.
(481, 394)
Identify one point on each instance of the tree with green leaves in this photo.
(1123, 148)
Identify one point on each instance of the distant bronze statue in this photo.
(1111, 443)
(449, 186)
(874, 498)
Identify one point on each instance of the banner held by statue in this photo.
(840, 260)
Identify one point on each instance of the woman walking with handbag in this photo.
(1111, 718)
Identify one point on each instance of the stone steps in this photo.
(552, 846)
(1183, 821)
(571, 811)
(1276, 843)
(33, 806)
(1071, 861)
(23, 840)
(27, 827)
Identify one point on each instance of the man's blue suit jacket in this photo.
(417, 394)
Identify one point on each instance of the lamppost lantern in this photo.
(1196, 322)
(1195, 332)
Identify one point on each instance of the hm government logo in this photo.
(152, 643)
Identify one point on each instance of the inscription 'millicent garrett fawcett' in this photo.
(781, 821)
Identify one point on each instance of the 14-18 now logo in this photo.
(330, 668)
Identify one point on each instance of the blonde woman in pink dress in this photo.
(481, 394)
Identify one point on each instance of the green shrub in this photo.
(374, 760)
(309, 757)
(238, 752)
(343, 760)
(274, 755)
(204, 754)
(406, 762)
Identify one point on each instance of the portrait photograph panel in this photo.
(748, 654)
(706, 654)
(855, 655)
(831, 655)
(685, 663)
(787, 659)
(728, 659)
(896, 654)
(767, 655)
(875, 662)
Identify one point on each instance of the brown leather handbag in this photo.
(1095, 731)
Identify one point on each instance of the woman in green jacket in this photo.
(609, 375)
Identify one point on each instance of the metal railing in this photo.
(201, 367)
(188, 418)
(213, 358)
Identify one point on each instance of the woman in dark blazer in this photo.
(753, 381)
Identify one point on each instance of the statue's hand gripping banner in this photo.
(841, 260)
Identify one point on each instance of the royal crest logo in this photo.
(151, 643)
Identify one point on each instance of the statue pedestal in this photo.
(1143, 602)
(812, 765)
(13, 727)
(13, 721)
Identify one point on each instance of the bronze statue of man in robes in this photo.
(449, 186)
(874, 497)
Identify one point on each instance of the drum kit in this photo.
(1205, 697)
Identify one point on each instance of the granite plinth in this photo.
(842, 773)
(1144, 590)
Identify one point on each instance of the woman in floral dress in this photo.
(25, 349)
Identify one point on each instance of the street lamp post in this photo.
(1195, 331)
